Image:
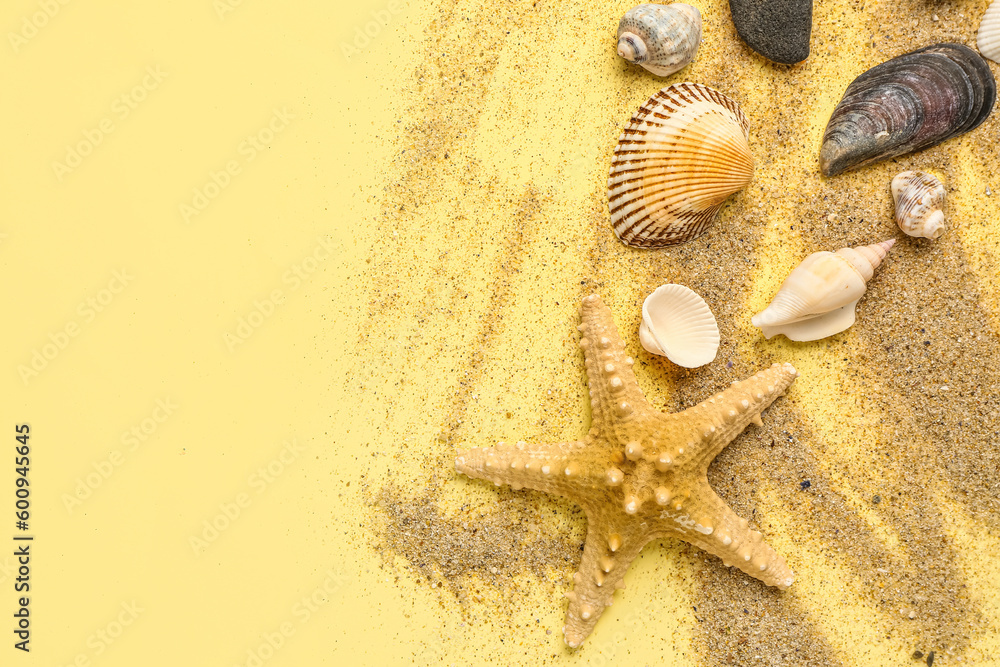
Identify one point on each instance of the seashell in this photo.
(988, 39)
(919, 198)
(818, 297)
(684, 152)
(661, 38)
(678, 324)
(908, 103)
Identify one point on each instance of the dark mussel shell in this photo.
(911, 102)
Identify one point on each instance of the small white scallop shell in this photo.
(661, 38)
(678, 324)
(988, 39)
(919, 198)
(818, 297)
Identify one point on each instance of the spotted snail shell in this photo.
(818, 297)
(679, 325)
(684, 152)
(988, 39)
(661, 38)
(908, 103)
(919, 198)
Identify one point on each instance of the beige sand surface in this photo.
(493, 225)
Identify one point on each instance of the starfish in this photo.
(639, 474)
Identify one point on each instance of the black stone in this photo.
(776, 29)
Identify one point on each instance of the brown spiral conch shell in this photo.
(911, 102)
(661, 38)
(818, 297)
(919, 198)
(684, 152)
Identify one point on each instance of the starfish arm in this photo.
(614, 391)
(549, 468)
(716, 422)
(607, 554)
(707, 522)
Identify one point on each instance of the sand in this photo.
(876, 476)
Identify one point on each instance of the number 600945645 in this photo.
(22, 462)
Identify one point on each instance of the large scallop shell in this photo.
(919, 198)
(678, 324)
(988, 39)
(908, 103)
(684, 152)
(818, 297)
(661, 38)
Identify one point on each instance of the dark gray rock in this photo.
(776, 29)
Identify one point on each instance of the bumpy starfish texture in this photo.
(640, 474)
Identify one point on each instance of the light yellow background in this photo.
(278, 322)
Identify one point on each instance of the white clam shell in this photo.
(661, 38)
(988, 39)
(678, 324)
(818, 297)
(919, 198)
(683, 153)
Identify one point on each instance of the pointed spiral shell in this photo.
(661, 38)
(818, 297)
(919, 198)
(684, 152)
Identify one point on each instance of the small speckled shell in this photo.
(988, 39)
(818, 297)
(661, 38)
(684, 152)
(919, 198)
(679, 325)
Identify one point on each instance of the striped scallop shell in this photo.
(988, 39)
(678, 324)
(684, 152)
(919, 198)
